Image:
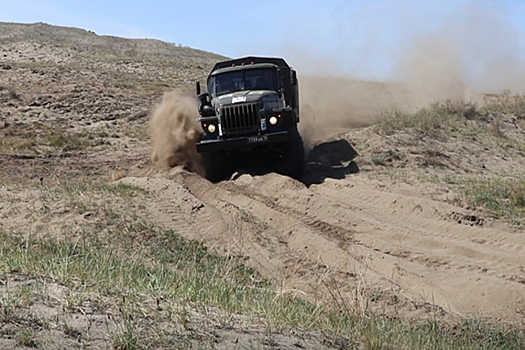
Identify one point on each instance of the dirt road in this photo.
(357, 242)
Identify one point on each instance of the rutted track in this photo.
(345, 240)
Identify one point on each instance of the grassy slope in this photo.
(476, 151)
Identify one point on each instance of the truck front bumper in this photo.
(217, 145)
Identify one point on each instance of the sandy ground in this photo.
(351, 236)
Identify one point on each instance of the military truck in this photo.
(249, 116)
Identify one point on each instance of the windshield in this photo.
(250, 79)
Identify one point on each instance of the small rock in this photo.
(197, 207)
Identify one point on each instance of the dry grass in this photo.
(434, 120)
(505, 103)
(18, 140)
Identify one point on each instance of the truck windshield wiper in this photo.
(227, 92)
(233, 90)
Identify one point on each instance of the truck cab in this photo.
(250, 109)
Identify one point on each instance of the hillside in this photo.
(87, 42)
(405, 232)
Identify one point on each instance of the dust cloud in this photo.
(475, 51)
(175, 133)
(404, 55)
(331, 105)
(388, 55)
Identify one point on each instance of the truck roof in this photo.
(248, 60)
(243, 67)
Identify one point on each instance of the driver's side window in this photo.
(223, 84)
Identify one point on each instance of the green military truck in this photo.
(249, 116)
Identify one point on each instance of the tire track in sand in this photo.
(352, 237)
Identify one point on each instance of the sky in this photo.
(364, 38)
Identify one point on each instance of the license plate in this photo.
(257, 139)
(237, 99)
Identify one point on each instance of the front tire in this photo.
(218, 166)
(292, 161)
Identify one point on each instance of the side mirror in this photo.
(198, 87)
(205, 107)
(207, 111)
(294, 78)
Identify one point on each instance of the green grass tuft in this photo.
(502, 197)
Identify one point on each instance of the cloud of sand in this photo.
(469, 50)
(331, 105)
(387, 54)
(175, 132)
(474, 51)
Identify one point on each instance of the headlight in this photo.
(209, 128)
(273, 120)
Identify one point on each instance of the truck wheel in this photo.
(218, 166)
(292, 162)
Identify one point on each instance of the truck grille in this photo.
(240, 119)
